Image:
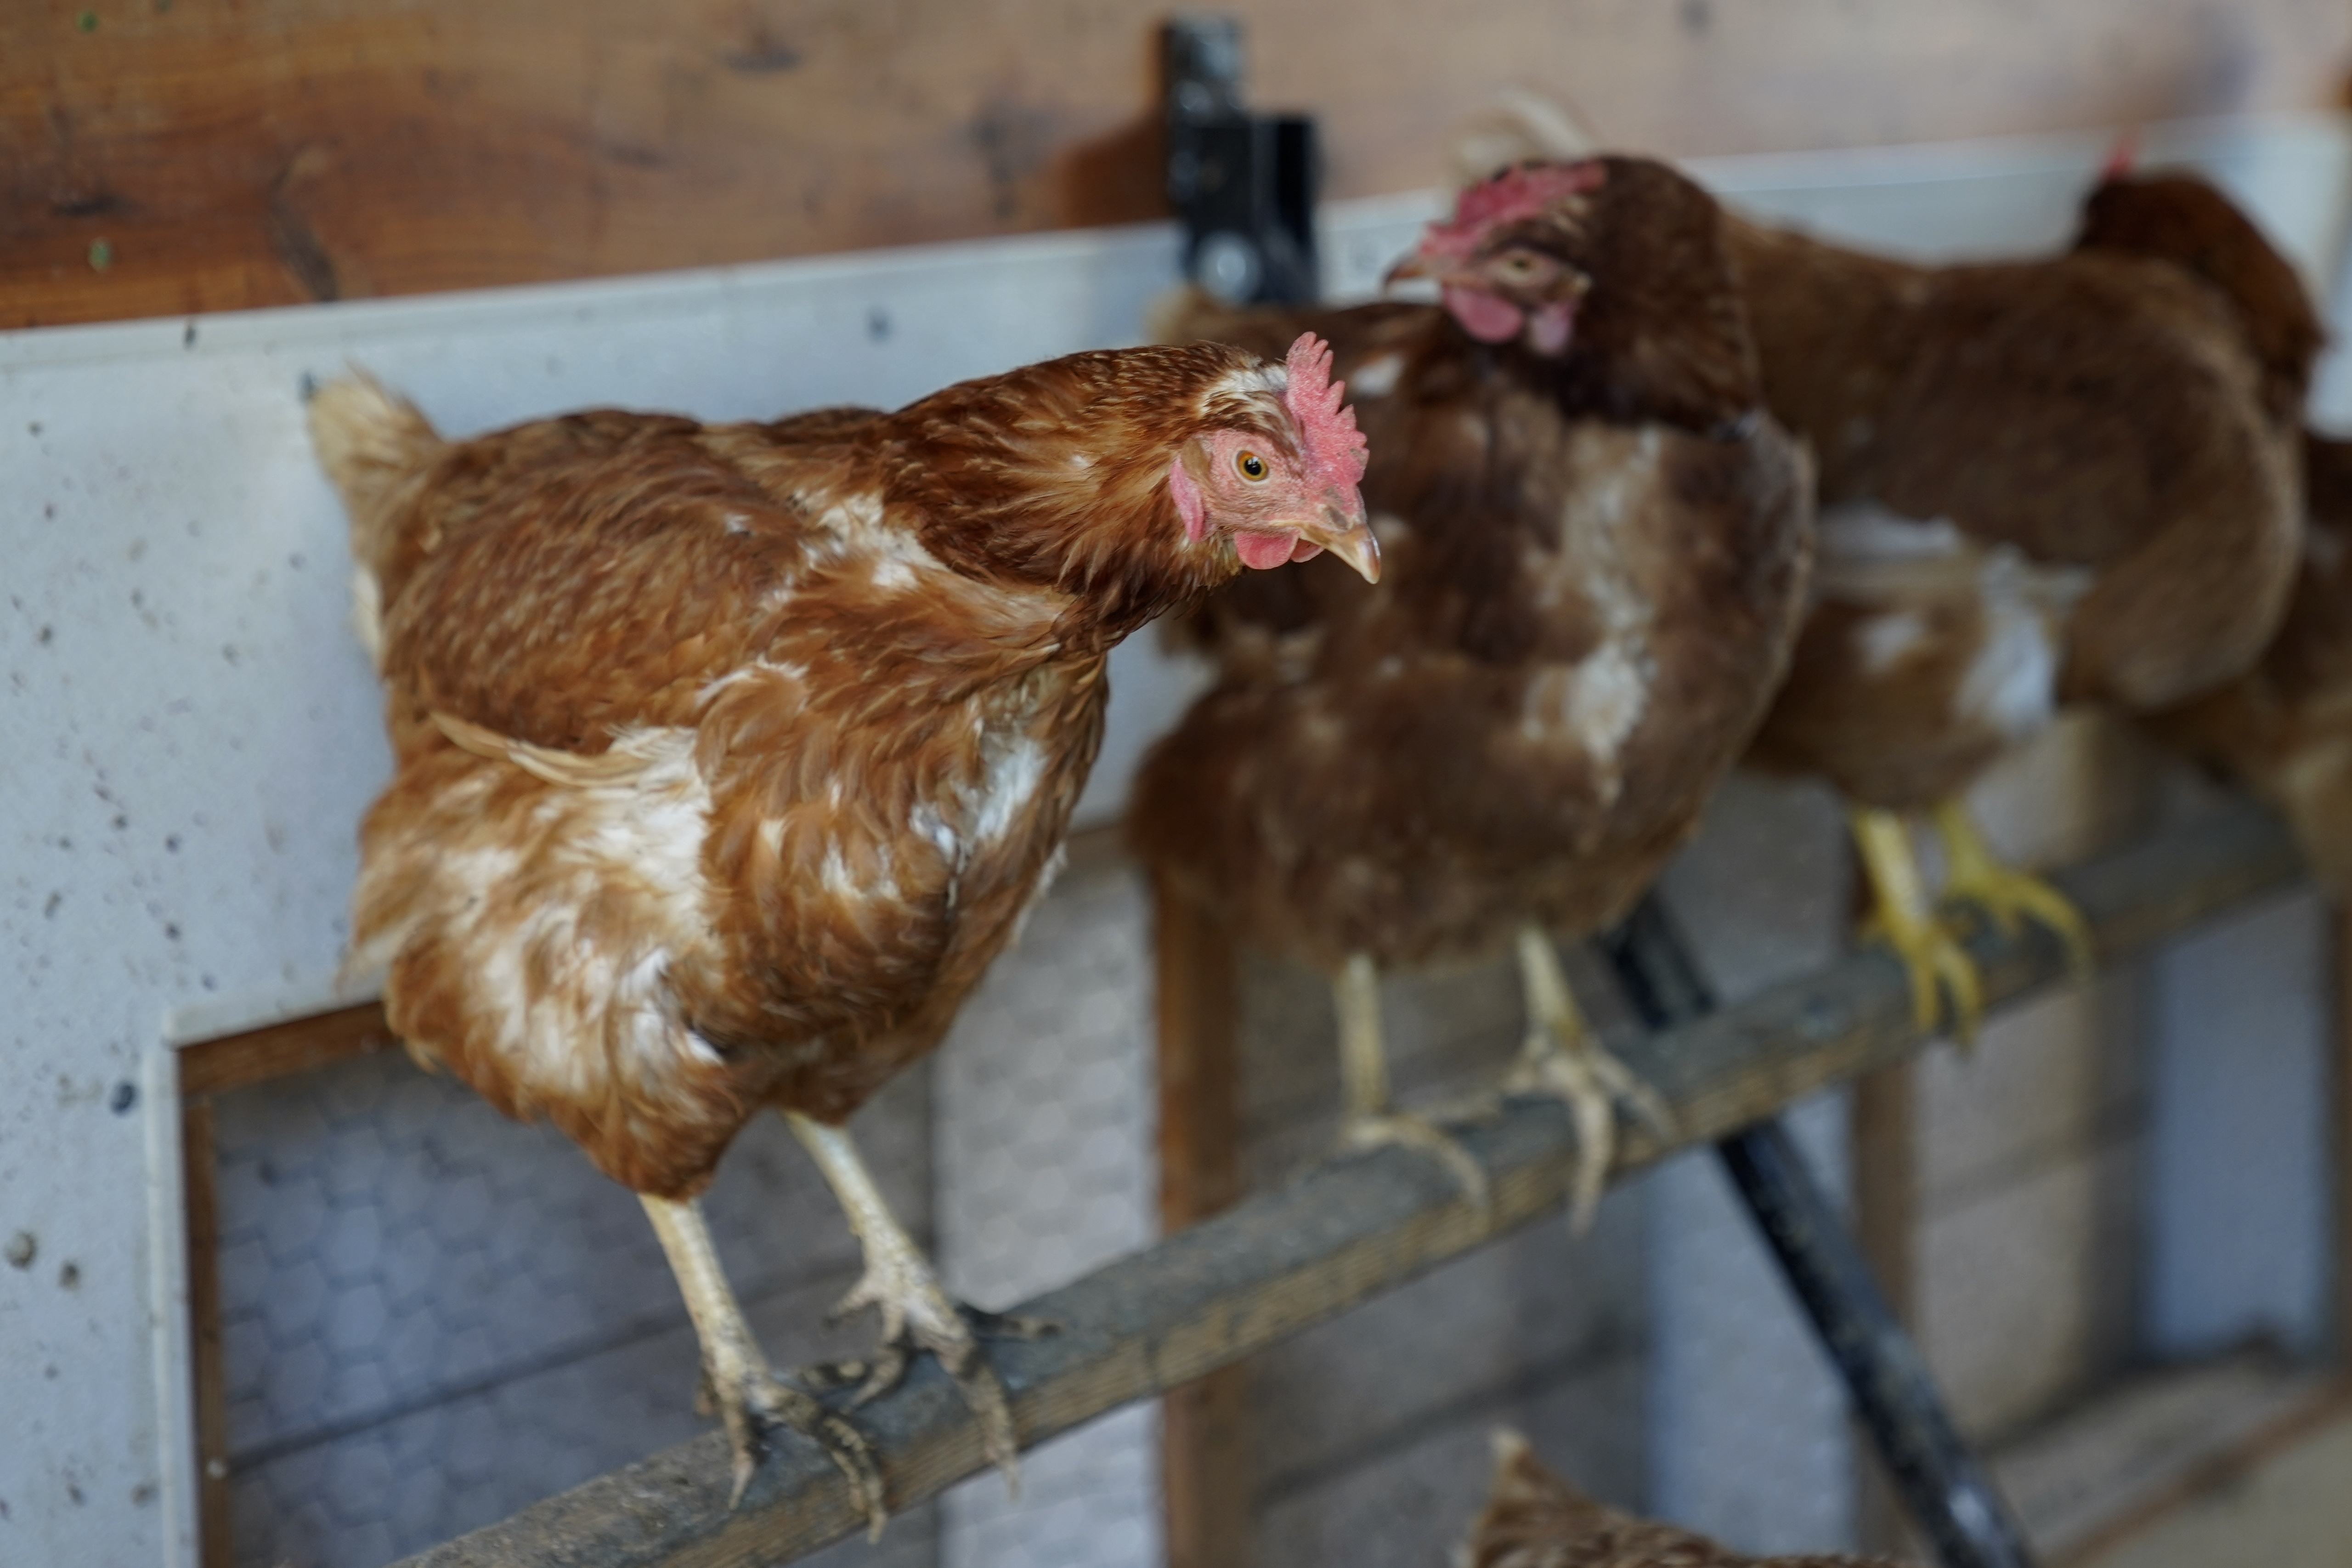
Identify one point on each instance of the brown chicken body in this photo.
(1596, 550)
(728, 756)
(1533, 1519)
(2284, 729)
(2041, 483)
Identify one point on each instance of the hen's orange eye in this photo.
(1253, 467)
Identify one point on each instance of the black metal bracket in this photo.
(1244, 184)
(1943, 1484)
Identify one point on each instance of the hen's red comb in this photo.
(1335, 447)
(2121, 157)
(1519, 192)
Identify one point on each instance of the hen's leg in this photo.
(1973, 873)
(1367, 1120)
(735, 1374)
(1902, 918)
(1564, 1058)
(917, 1314)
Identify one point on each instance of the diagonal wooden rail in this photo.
(1346, 1231)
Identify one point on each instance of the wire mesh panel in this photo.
(432, 1316)
(1045, 1169)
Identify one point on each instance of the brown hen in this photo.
(2284, 729)
(1535, 1520)
(2043, 483)
(1596, 550)
(728, 756)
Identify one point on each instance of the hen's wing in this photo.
(567, 578)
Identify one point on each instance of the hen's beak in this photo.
(1344, 531)
(1413, 265)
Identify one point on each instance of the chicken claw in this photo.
(1401, 1129)
(1974, 875)
(917, 1313)
(737, 1385)
(1367, 1120)
(1563, 1059)
(1930, 954)
(755, 1401)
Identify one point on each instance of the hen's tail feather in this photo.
(374, 446)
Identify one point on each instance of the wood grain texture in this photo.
(167, 156)
(1346, 1231)
(257, 1056)
(207, 1369)
(1204, 1444)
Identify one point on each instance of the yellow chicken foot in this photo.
(1902, 918)
(917, 1313)
(1367, 1122)
(747, 1396)
(1564, 1060)
(1974, 874)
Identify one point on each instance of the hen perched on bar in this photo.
(1598, 546)
(2071, 480)
(728, 756)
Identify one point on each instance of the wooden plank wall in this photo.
(163, 156)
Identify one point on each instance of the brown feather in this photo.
(2284, 729)
(1532, 1519)
(2111, 414)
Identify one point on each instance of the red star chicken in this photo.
(2285, 730)
(2069, 480)
(727, 756)
(1535, 1520)
(1597, 548)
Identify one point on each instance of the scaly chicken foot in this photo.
(1366, 1119)
(917, 1313)
(1901, 917)
(1974, 875)
(875, 1375)
(749, 1398)
(1564, 1060)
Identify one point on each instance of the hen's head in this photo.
(1271, 468)
(1133, 480)
(1613, 268)
(2181, 219)
(1514, 262)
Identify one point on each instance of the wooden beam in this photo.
(162, 159)
(257, 1056)
(1345, 1231)
(208, 1370)
(1205, 1453)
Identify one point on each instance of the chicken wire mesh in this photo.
(433, 1317)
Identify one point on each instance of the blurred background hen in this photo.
(2043, 483)
(1532, 1519)
(1597, 547)
(728, 756)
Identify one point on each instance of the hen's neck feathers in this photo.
(1662, 335)
(1052, 480)
(2180, 219)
